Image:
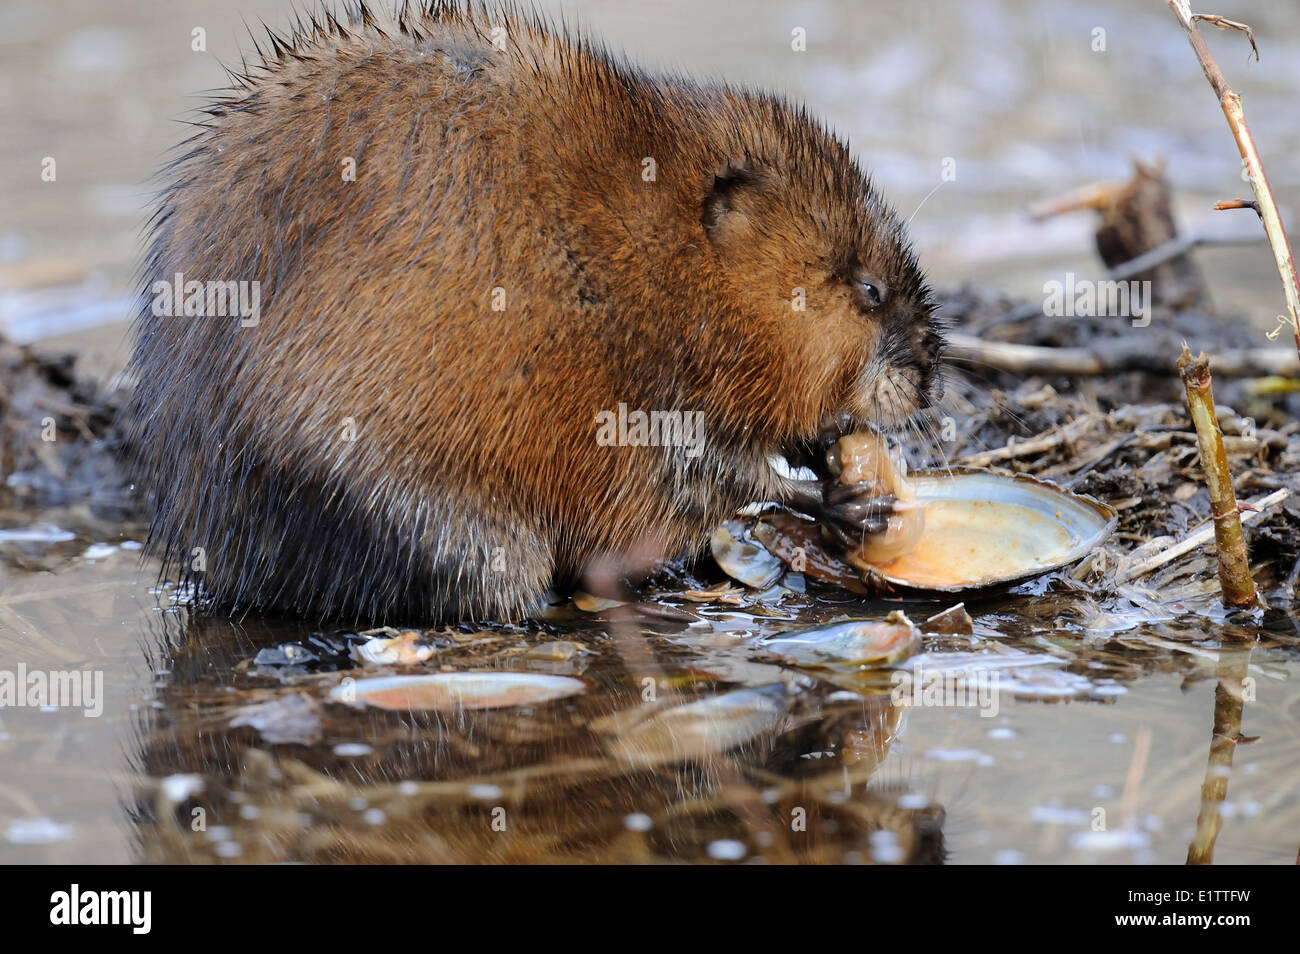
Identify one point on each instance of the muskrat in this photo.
(472, 239)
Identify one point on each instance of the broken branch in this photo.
(1234, 562)
(1108, 357)
(1237, 204)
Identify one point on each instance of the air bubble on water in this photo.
(959, 755)
(1059, 815)
(1116, 839)
(36, 831)
(727, 849)
(890, 855)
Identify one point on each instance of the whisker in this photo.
(921, 203)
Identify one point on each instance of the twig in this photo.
(1014, 450)
(1223, 23)
(1225, 204)
(1230, 102)
(1155, 256)
(1028, 447)
(1172, 249)
(1094, 195)
(1200, 537)
(1234, 562)
(1109, 357)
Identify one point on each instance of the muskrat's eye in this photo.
(871, 292)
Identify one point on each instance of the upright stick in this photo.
(1234, 561)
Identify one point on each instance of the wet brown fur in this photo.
(475, 479)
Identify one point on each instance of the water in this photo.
(1098, 754)
(1093, 748)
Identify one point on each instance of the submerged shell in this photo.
(856, 643)
(982, 529)
(559, 651)
(404, 649)
(457, 690)
(695, 730)
(743, 558)
(593, 604)
(955, 620)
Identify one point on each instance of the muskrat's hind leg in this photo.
(483, 570)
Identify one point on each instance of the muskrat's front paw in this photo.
(851, 512)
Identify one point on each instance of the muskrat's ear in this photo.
(724, 216)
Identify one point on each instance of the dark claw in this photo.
(849, 514)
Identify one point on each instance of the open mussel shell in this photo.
(983, 529)
(742, 557)
(456, 690)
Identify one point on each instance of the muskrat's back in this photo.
(459, 264)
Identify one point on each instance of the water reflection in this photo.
(550, 783)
